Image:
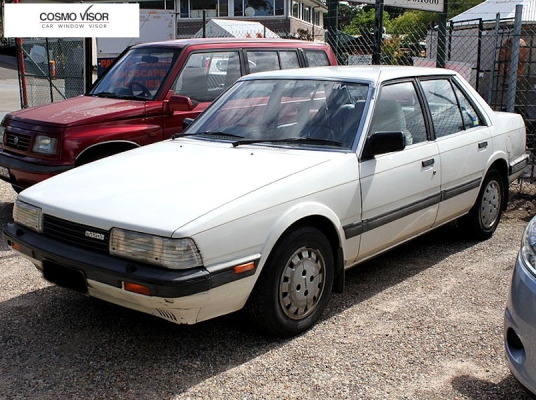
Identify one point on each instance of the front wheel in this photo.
(484, 216)
(295, 284)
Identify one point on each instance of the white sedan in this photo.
(287, 180)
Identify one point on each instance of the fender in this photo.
(299, 212)
(122, 143)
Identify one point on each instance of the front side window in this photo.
(206, 75)
(398, 110)
(443, 105)
(138, 75)
(311, 113)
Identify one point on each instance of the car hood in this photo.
(162, 187)
(81, 110)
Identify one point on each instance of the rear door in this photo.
(464, 143)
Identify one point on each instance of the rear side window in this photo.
(259, 61)
(316, 58)
(469, 115)
(443, 105)
(289, 59)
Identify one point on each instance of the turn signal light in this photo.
(239, 269)
(136, 288)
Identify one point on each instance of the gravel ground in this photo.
(421, 322)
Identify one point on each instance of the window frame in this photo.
(454, 83)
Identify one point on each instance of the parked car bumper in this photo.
(22, 173)
(517, 166)
(175, 295)
(520, 326)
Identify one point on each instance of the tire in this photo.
(295, 284)
(484, 216)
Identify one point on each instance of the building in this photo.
(287, 18)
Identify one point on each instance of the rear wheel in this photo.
(295, 284)
(484, 217)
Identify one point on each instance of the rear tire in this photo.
(295, 284)
(484, 216)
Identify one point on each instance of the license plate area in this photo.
(4, 172)
(66, 277)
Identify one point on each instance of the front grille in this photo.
(18, 141)
(75, 234)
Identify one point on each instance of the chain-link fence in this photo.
(495, 52)
(52, 70)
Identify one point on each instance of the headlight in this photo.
(45, 145)
(27, 215)
(528, 245)
(169, 253)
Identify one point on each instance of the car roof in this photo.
(232, 42)
(369, 73)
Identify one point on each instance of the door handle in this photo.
(428, 163)
(482, 145)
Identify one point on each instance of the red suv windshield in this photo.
(137, 75)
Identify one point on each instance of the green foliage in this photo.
(364, 21)
(347, 12)
(412, 22)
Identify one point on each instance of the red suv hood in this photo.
(81, 110)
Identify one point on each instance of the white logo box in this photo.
(71, 20)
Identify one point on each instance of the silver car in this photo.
(520, 314)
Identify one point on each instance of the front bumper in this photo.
(24, 173)
(175, 295)
(520, 326)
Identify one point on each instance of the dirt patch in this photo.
(522, 201)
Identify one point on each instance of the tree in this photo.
(347, 12)
(364, 22)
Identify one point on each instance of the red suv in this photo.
(142, 98)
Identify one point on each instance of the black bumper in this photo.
(107, 269)
(518, 165)
(13, 163)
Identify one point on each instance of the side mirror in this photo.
(384, 142)
(186, 122)
(176, 102)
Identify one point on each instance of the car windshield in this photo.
(288, 112)
(138, 75)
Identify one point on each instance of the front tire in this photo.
(295, 284)
(484, 216)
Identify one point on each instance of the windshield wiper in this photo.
(105, 94)
(113, 95)
(223, 135)
(299, 140)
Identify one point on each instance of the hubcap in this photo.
(490, 205)
(302, 283)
